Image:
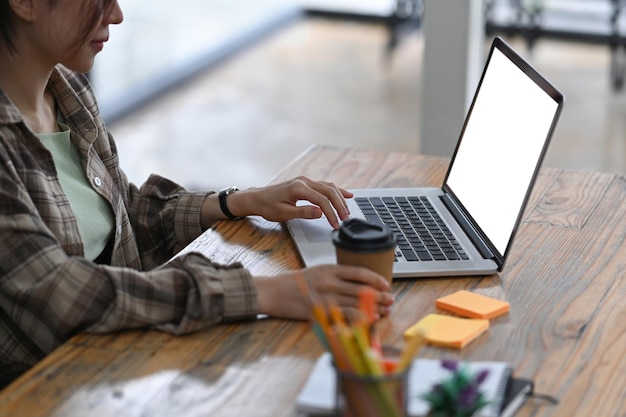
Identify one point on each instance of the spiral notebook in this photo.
(318, 395)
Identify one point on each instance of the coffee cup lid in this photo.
(359, 235)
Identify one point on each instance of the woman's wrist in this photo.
(264, 290)
(239, 204)
(280, 296)
(210, 211)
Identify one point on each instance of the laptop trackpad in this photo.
(316, 230)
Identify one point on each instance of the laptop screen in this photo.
(502, 145)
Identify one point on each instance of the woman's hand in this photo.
(282, 295)
(278, 202)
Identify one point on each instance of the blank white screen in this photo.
(500, 148)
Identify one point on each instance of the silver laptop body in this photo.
(493, 169)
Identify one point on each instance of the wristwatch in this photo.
(222, 198)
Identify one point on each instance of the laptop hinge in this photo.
(474, 236)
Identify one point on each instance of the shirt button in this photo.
(97, 181)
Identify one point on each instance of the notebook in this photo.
(504, 393)
(518, 390)
(478, 208)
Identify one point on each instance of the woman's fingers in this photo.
(327, 196)
(342, 285)
(336, 198)
(292, 295)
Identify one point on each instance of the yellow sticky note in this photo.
(470, 304)
(448, 331)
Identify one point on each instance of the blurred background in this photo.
(212, 93)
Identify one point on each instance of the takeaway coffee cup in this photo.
(361, 243)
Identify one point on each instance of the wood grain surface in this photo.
(566, 329)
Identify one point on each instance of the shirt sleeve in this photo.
(165, 218)
(46, 296)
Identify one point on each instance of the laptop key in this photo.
(424, 256)
(409, 255)
(372, 218)
(452, 256)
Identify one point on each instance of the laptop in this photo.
(480, 205)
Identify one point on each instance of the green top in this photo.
(94, 216)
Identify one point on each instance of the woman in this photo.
(81, 249)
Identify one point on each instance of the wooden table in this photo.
(566, 329)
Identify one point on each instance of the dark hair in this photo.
(7, 19)
(6, 24)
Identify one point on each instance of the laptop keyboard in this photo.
(422, 234)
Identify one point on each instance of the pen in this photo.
(411, 348)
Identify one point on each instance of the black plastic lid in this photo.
(359, 235)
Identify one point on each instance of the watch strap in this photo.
(222, 199)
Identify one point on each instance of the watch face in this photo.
(229, 190)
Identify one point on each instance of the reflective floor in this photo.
(320, 81)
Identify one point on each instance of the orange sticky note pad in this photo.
(470, 304)
(448, 331)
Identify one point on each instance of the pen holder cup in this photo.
(372, 396)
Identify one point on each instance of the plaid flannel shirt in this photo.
(49, 291)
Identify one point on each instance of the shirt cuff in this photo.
(187, 217)
(240, 296)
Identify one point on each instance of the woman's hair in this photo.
(6, 24)
(94, 11)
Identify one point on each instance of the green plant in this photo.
(458, 395)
